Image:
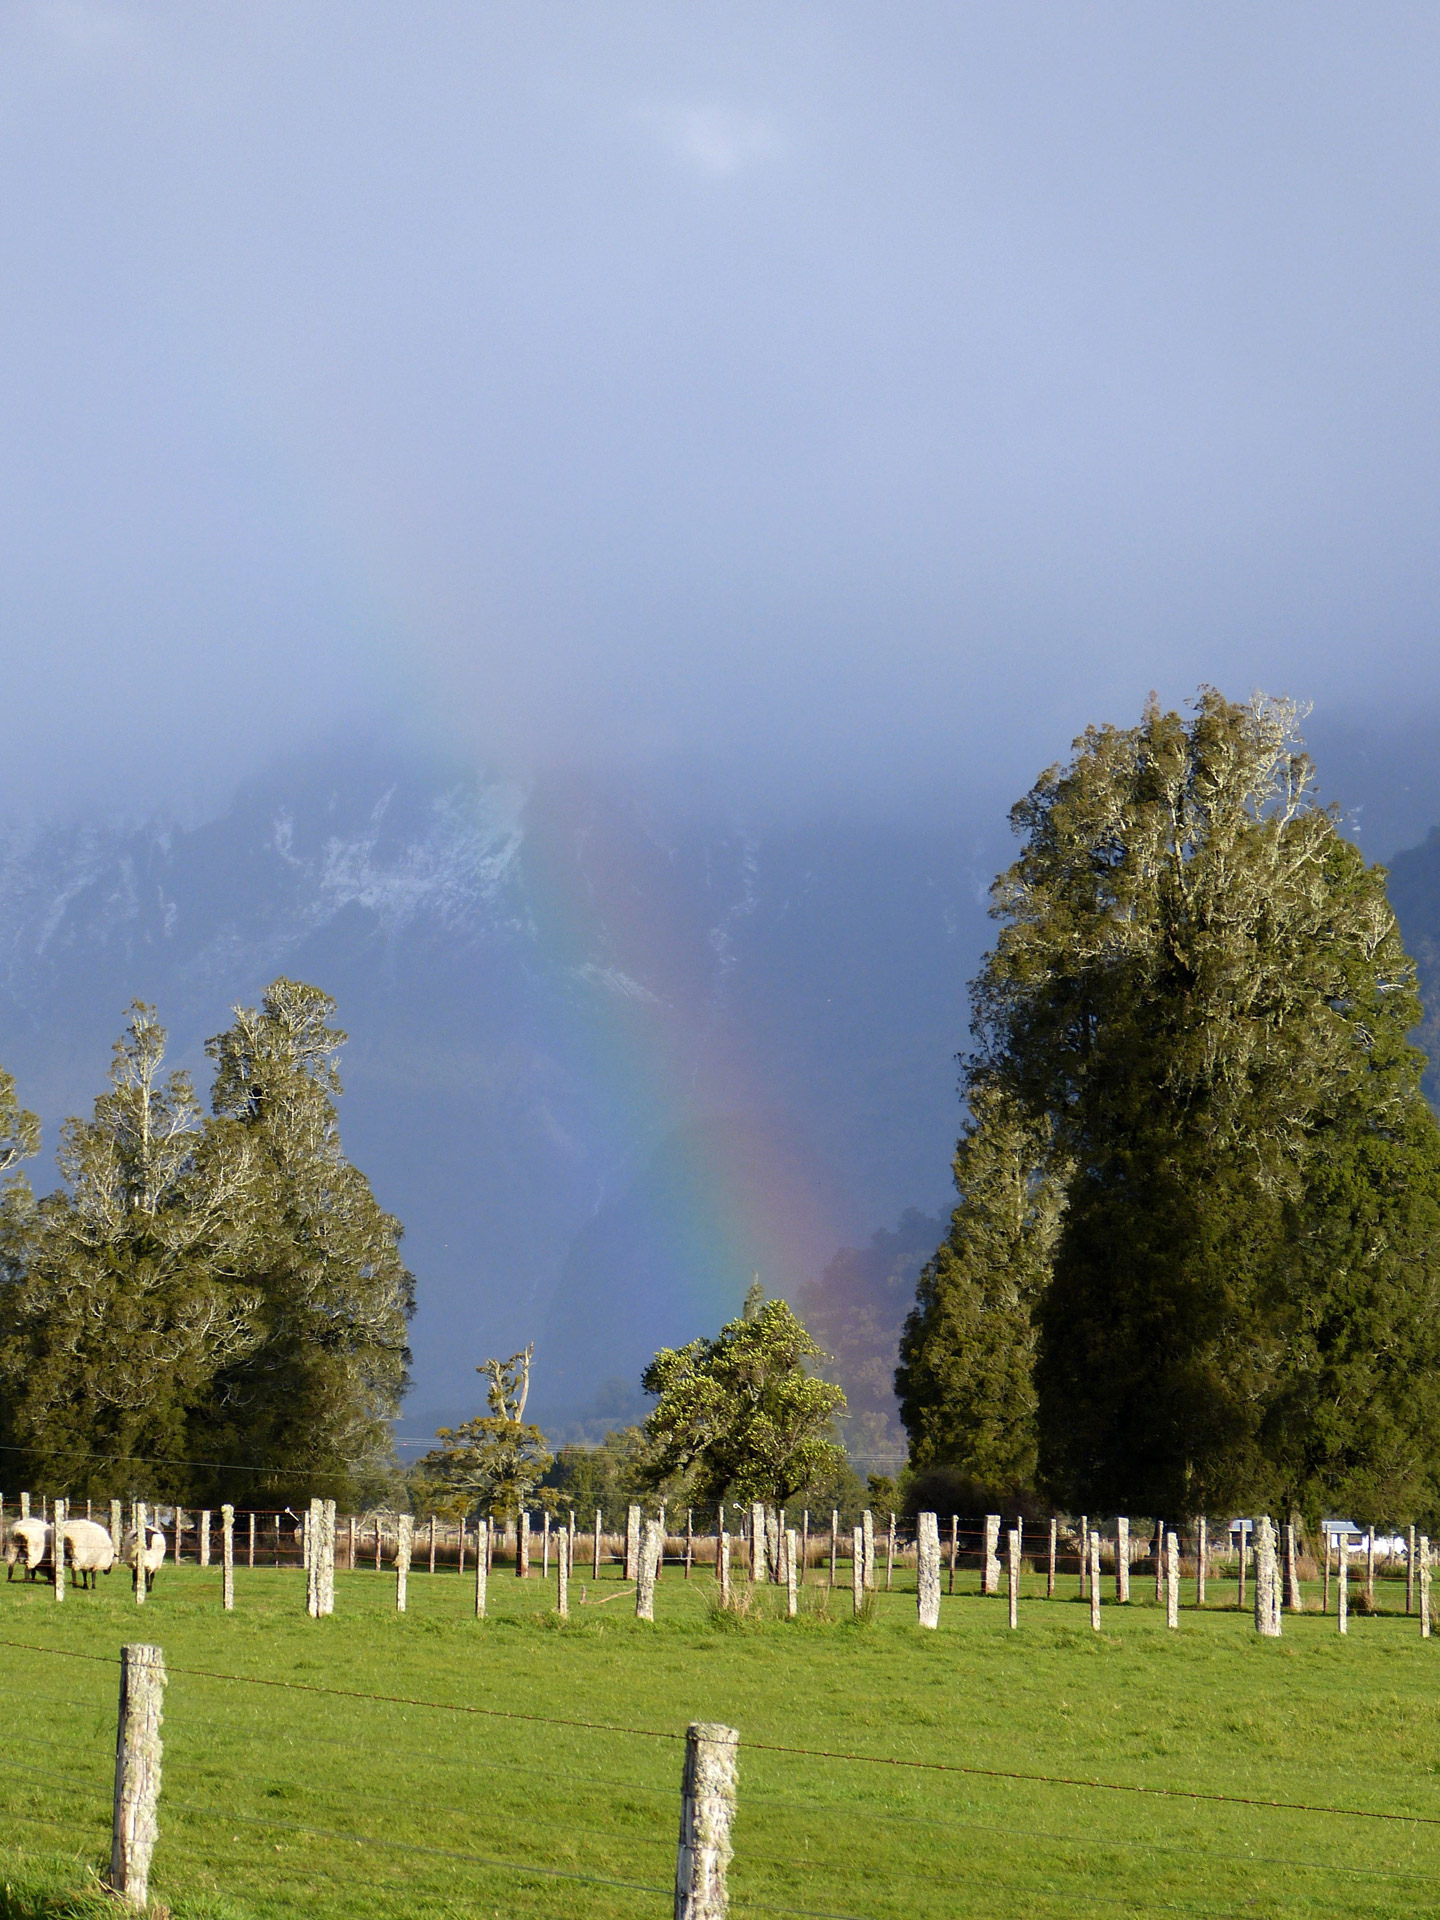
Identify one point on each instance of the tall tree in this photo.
(490, 1465)
(967, 1351)
(126, 1290)
(310, 1403)
(1200, 991)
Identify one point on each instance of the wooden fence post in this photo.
(562, 1573)
(1370, 1564)
(327, 1557)
(757, 1542)
(227, 1558)
(57, 1547)
(792, 1598)
(857, 1568)
(632, 1543)
(179, 1528)
(890, 1556)
(1122, 1560)
(250, 1558)
(545, 1546)
(1084, 1555)
(205, 1536)
(377, 1543)
(1050, 1559)
(1012, 1569)
(482, 1564)
(1410, 1571)
(24, 1506)
(867, 1535)
(927, 1569)
(649, 1561)
(402, 1559)
(722, 1567)
(804, 1545)
(689, 1540)
(142, 1541)
(1095, 1581)
(1294, 1599)
(312, 1560)
(1325, 1591)
(954, 1547)
(834, 1545)
(1424, 1587)
(1202, 1555)
(1342, 1582)
(707, 1808)
(990, 1571)
(432, 1543)
(1240, 1579)
(1159, 1561)
(460, 1547)
(522, 1545)
(139, 1751)
(117, 1524)
(1267, 1580)
(1172, 1580)
(599, 1516)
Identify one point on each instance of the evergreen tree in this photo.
(965, 1379)
(311, 1401)
(126, 1291)
(738, 1417)
(490, 1465)
(1200, 997)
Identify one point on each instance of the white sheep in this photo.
(29, 1540)
(89, 1549)
(153, 1557)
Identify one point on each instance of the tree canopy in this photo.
(1198, 1004)
(739, 1417)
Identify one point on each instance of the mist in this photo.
(848, 403)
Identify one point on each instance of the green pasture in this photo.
(281, 1802)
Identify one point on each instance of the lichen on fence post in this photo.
(632, 1542)
(650, 1549)
(117, 1523)
(722, 1567)
(403, 1532)
(990, 1567)
(927, 1569)
(890, 1556)
(205, 1536)
(1012, 1570)
(599, 1516)
(1172, 1579)
(142, 1533)
(1294, 1599)
(792, 1599)
(857, 1569)
(482, 1559)
(707, 1809)
(312, 1560)
(834, 1545)
(1202, 1554)
(562, 1573)
(57, 1547)
(1267, 1580)
(1342, 1582)
(867, 1526)
(327, 1557)
(1410, 1571)
(139, 1751)
(522, 1545)
(1095, 1581)
(955, 1547)
(757, 1542)
(1370, 1565)
(227, 1558)
(1424, 1548)
(1122, 1559)
(1084, 1555)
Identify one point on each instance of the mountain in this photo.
(613, 1047)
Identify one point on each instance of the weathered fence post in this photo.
(250, 1558)
(834, 1545)
(179, 1528)
(867, 1525)
(632, 1543)
(545, 1547)
(204, 1536)
(890, 1556)
(722, 1566)
(1410, 1571)
(599, 1516)
(857, 1569)
(1294, 1599)
(117, 1526)
(1122, 1560)
(954, 1547)
(1424, 1587)
(1267, 1580)
(689, 1540)
(403, 1529)
(1241, 1576)
(1012, 1557)
(927, 1569)
(312, 1561)
(780, 1534)
(1159, 1552)
(522, 1545)
(990, 1567)
(227, 1558)
(1084, 1555)
(1172, 1580)
(1342, 1582)
(1202, 1554)
(482, 1565)
(24, 1506)
(327, 1557)
(138, 1754)
(792, 1598)
(1050, 1557)
(649, 1561)
(1095, 1581)
(707, 1808)
(378, 1538)
(1325, 1590)
(142, 1541)
(57, 1548)
(562, 1573)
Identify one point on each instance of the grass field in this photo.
(281, 1802)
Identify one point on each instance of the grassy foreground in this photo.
(283, 1802)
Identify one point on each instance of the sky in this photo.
(854, 401)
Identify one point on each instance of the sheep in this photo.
(153, 1557)
(89, 1549)
(30, 1540)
